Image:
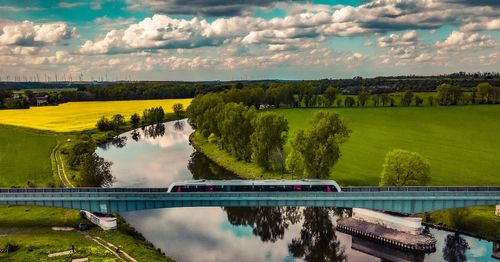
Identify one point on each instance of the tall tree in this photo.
(404, 168)
(178, 109)
(235, 126)
(407, 98)
(330, 95)
(270, 132)
(319, 144)
(363, 97)
(95, 171)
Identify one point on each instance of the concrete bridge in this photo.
(409, 200)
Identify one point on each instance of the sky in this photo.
(245, 39)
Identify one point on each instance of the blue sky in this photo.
(248, 39)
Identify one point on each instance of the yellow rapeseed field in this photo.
(76, 116)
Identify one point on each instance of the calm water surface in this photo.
(155, 157)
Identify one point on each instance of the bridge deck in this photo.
(397, 199)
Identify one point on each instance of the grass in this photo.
(25, 155)
(460, 142)
(77, 116)
(480, 220)
(30, 229)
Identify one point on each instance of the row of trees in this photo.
(238, 129)
(293, 94)
(260, 137)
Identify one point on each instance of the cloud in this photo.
(406, 39)
(204, 7)
(71, 4)
(28, 33)
(484, 25)
(464, 40)
(105, 23)
(163, 32)
(19, 9)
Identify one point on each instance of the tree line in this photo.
(292, 94)
(236, 127)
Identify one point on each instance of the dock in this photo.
(387, 236)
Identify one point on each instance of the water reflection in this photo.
(317, 241)
(268, 223)
(161, 155)
(455, 248)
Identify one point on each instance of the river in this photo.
(156, 157)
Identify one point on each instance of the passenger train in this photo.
(309, 185)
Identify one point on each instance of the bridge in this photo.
(409, 200)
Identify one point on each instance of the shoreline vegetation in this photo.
(479, 221)
(52, 158)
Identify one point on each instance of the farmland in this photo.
(77, 116)
(461, 143)
(25, 156)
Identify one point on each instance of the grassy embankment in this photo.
(28, 155)
(460, 143)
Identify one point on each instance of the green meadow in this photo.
(461, 142)
(25, 155)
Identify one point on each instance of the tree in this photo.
(295, 164)
(407, 98)
(203, 113)
(270, 132)
(135, 119)
(404, 168)
(95, 171)
(418, 100)
(330, 95)
(103, 124)
(449, 94)
(385, 99)
(235, 127)
(339, 102)
(376, 100)
(363, 97)
(431, 100)
(349, 101)
(83, 146)
(179, 110)
(117, 121)
(318, 145)
(152, 116)
(486, 93)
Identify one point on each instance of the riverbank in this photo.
(476, 221)
(48, 167)
(31, 231)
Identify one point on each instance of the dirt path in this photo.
(123, 256)
(60, 168)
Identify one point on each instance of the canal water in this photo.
(158, 156)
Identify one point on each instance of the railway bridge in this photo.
(408, 200)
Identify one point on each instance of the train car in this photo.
(309, 185)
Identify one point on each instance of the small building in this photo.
(105, 222)
(41, 100)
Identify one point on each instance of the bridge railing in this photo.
(83, 190)
(422, 189)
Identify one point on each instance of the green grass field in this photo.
(30, 229)
(25, 156)
(461, 142)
